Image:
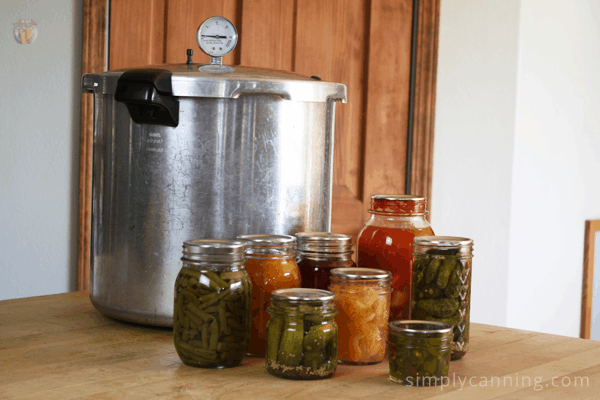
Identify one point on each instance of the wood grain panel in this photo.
(268, 37)
(139, 29)
(388, 97)
(331, 43)
(183, 20)
(424, 97)
(587, 292)
(365, 44)
(92, 60)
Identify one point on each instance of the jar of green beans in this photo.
(213, 295)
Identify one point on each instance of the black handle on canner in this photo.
(148, 95)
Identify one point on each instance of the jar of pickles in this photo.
(363, 302)
(320, 252)
(213, 294)
(442, 285)
(302, 335)
(385, 243)
(419, 352)
(271, 265)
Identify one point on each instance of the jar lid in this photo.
(403, 204)
(443, 245)
(421, 328)
(361, 274)
(442, 241)
(324, 242)
(260, 240)
(214, 250)
(302, 295)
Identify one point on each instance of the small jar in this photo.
(419, 352)
(385, 243)
(213, 294)
(271, 265)
(302, 335)
(442, 285)
(320, 252)
(362, 297)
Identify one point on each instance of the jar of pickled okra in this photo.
(385, 242)
(320, 252)
(213, 296)
(302, 335)
(419, 352)
(442, 285)
(271, 265)
(362, 297)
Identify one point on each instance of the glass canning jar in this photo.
(362, 297)
(302, 335)
(271, 265)
(385, 242)
(320, 252)
(442, 285)
(419, 352)
(213, 294)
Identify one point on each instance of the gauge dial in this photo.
(217, 36)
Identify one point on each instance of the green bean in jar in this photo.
(211, 325)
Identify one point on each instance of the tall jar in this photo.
(362, 297)
(271, 265)
(302, 335)
(385, 242)
(213, 294)
(320, 252)
(442, 285)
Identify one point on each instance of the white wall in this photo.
(518, 118)
(556, 183)
(39, 156)
(474, 141)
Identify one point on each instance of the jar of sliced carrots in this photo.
(363, 302)
(271, 264)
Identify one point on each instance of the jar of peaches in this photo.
(386, 242)
(362, 298)
(271, 264)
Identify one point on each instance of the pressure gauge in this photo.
(217, 37)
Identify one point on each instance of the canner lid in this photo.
(223, 81)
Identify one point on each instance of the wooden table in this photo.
(60, 347)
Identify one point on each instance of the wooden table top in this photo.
(60, 347)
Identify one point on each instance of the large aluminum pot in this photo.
(198, 151)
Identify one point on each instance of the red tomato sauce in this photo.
(391, 249)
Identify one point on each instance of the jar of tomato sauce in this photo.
(385, 242)
(319, 253)
(271, 264)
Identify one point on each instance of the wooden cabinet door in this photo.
(384, 51)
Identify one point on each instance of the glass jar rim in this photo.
(399, 197)
(358, 274)
(342, 255)
(266, 240)
(398, 205)
(443, 245)
(215, 250)
(302, 295)
(443, 241)
(323, 242)
(420, 327)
